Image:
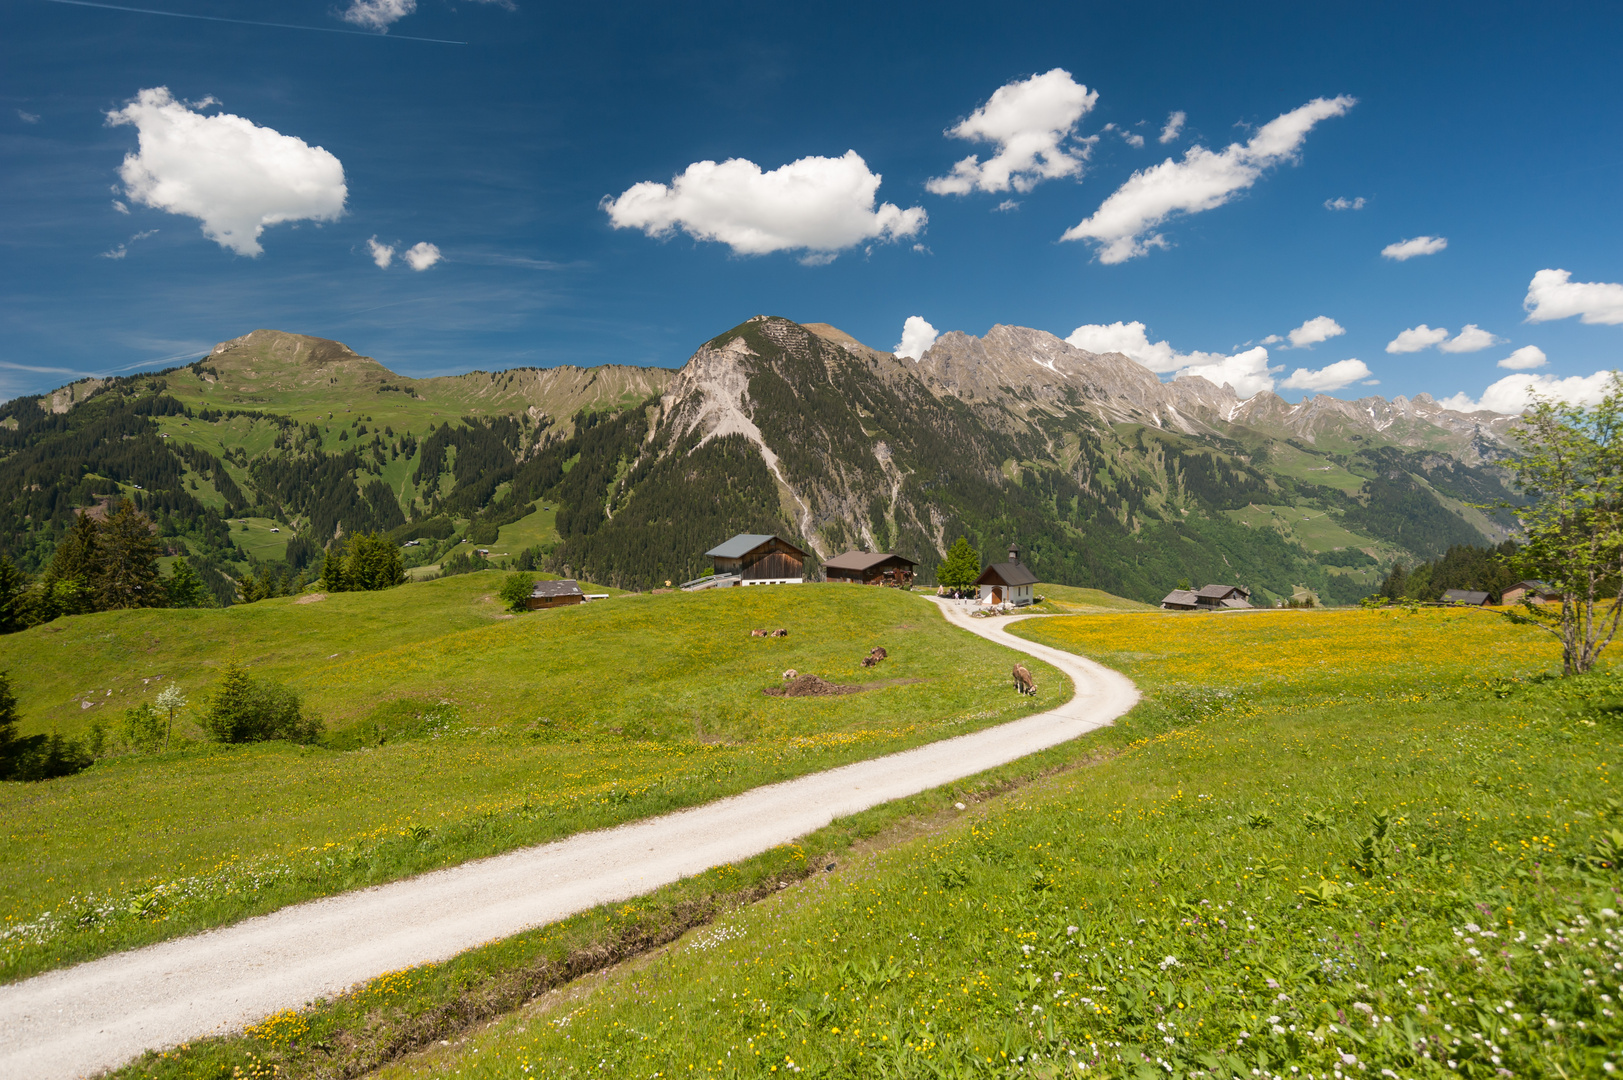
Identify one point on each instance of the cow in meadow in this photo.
(758, 633)
(779, 633)
(879, 652)
(1022, 680)
(791, 675)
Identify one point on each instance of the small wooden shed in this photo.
(551, 594)
(758, 559)
(1535, 592)
(870, 568)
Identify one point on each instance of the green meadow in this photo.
(1371, 844)
(454, 730)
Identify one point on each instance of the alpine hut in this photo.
(870, 568)
(1006, 582)
(754, 559)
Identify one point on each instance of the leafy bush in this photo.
(248, 710)
(516, 591)
(143, 728)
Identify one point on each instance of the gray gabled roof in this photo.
(1009, 573)
(1466, 596)
(862, 560)
(1220, 592)
(549, 589)
(742, 544)
(1182, 597)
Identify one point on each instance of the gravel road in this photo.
(103, 1013)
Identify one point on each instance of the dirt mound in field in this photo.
(812, 686)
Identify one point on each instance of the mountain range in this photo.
(1105, 475)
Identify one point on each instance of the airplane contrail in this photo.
(251, 22)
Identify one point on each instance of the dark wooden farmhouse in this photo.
(753, 559)
(870, 568)
(1465, 597)
(1208, 598)
(1007, 582)
(551, 594)
(1535, 592)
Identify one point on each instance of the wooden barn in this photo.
(1007, 582)
(870, 568)
(551, 594)
(754, 559)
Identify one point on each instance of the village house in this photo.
(551, 594)
(1536, 592)
(1208, 598)
(1465, 597)
(1006, 582)
(754, 559)
(870, 568)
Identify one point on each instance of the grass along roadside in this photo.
(1338, 870)
(512, 732)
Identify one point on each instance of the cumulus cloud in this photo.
(1006, 205)
(1315, 330)
(1125, 223)
(1472, 338)
(1028, 122)
(382, 254)
(1404, 250)
(231, 174)
(1417, 338)
(917, 337)
(378, 15)
(1330, 377)
(421, 256)
(1340, 203)
(1135, 140)
(1174, 127)
(118, 204)
(817, 204)
(1528, 356)
(1552, 294)
(1513, 393)
(28, 117)
(1248, 372)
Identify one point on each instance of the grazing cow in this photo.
(869, 661)
(1022, 680)
(791, 675)
(879, 652)
(779, 633)
(758, 633)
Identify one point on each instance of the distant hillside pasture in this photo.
(1353, 843)
(455, 731)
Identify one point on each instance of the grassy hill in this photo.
(454, 730)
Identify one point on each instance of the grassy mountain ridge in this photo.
(1107, 477)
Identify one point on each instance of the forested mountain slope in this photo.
(275, 444)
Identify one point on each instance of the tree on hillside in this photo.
(332, 568)
(516, 590)
(1571, 471)
(961, 566)
(13, 597)
(373, 563)
(128, 552)
(68, 587)
(183, 588)
(8, 723)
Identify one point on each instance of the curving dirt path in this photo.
(103, 1013)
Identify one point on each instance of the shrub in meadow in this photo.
(248, 710)
(516, 591)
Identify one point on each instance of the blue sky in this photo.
(515, 158)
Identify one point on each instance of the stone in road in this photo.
(103, 1013)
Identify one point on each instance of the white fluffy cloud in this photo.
(1524, 358)
(378, 15)
(1125, 223)
(917, 337)
(421, 256)
(1471, 338)
(1315, 330)
(1330, 377)
(1028, 122)
(1404, 250)
(231, 174)
(1552, 294)
(817, 204)
(1248, 372)
(1417, 338)
(382, 254)
(1342, 203)
(1174, 127)
(1513, 393)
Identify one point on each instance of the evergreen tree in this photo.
(68, 587)
(332, 569)
(13, 597)
(184, 588)
(8, 722)
(961, 566)
(374, 563)
(128, 575)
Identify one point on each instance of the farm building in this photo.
(870, 568)
(1535, 592)
(551, 594)
(1006, 582)
(1208, 598)
(1465, 597)
(753, 559)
